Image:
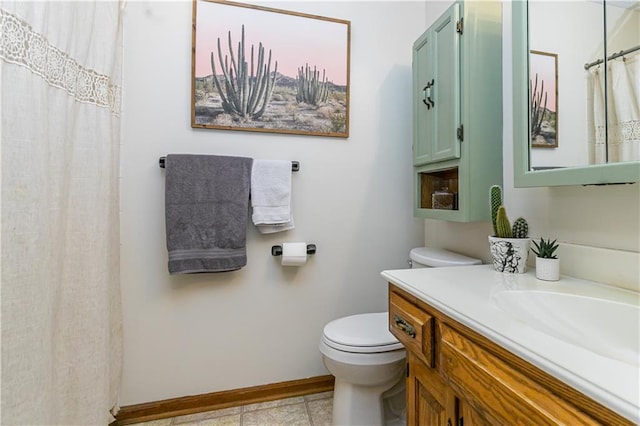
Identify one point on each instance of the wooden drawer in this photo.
(413, 327)
(502, 393)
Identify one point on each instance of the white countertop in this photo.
(464, 294)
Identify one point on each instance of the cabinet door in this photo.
(446, 86)
(470, 417)
(503, 393)
(436, 83)
(430, 402)
(423, 118)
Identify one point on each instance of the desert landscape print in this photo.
(269, 70)
(544, 99)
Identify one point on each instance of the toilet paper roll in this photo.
(294, 254)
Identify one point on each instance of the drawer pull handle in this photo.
(404, 326)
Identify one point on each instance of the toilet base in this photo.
(395, 404)
(355, 405)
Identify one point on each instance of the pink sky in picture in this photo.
(545, 67)
(293, 40)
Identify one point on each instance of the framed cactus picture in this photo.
(261, 69)
(543, 93)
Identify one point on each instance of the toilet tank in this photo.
(427, 257)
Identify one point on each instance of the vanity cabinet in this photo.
(457, 112)
(456, 376)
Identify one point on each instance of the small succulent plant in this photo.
(545, 249)
(501, 225)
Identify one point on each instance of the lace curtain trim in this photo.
(626, 131)
(21, 45)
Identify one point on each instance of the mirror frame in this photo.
(599, 174)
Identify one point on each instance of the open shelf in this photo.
(439, 189)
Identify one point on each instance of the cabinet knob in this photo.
(431, 84)
(404, 326)
(424, 96)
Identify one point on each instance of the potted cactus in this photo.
(547, 262)
(510, 243)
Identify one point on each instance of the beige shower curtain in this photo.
(619, 141)
(59, 105)
(623, 113)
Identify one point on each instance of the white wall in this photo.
(187, 335)
(602, 217)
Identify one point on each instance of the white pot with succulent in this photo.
(547, 263)
(510, 244)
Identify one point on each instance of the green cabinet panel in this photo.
(436, 98)
(457, 101)
(422, 119)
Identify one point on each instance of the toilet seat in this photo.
(363, 333)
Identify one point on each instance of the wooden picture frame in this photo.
(295, 77)
(543, 95)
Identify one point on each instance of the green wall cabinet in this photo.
(457, 112)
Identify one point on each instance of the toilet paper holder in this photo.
(277, 250)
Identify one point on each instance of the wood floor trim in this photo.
(213, 401)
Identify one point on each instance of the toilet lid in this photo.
(363, 333)
(435, 258)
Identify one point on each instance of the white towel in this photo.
(271, 195)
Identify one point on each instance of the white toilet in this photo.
(368, 362)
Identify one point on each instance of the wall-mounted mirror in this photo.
(576, 92)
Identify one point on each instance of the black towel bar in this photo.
(295, 165)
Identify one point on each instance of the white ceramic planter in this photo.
(509, 254)
(547, 269)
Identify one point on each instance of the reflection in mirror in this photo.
(583, 99)
(623, 83)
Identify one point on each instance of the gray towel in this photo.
(206, 212)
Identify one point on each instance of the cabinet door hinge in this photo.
(460, 133)
(459, 26)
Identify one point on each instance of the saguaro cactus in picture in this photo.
(537, 107)
(247, 90)
(311, 89)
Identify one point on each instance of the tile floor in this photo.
(308, 410)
